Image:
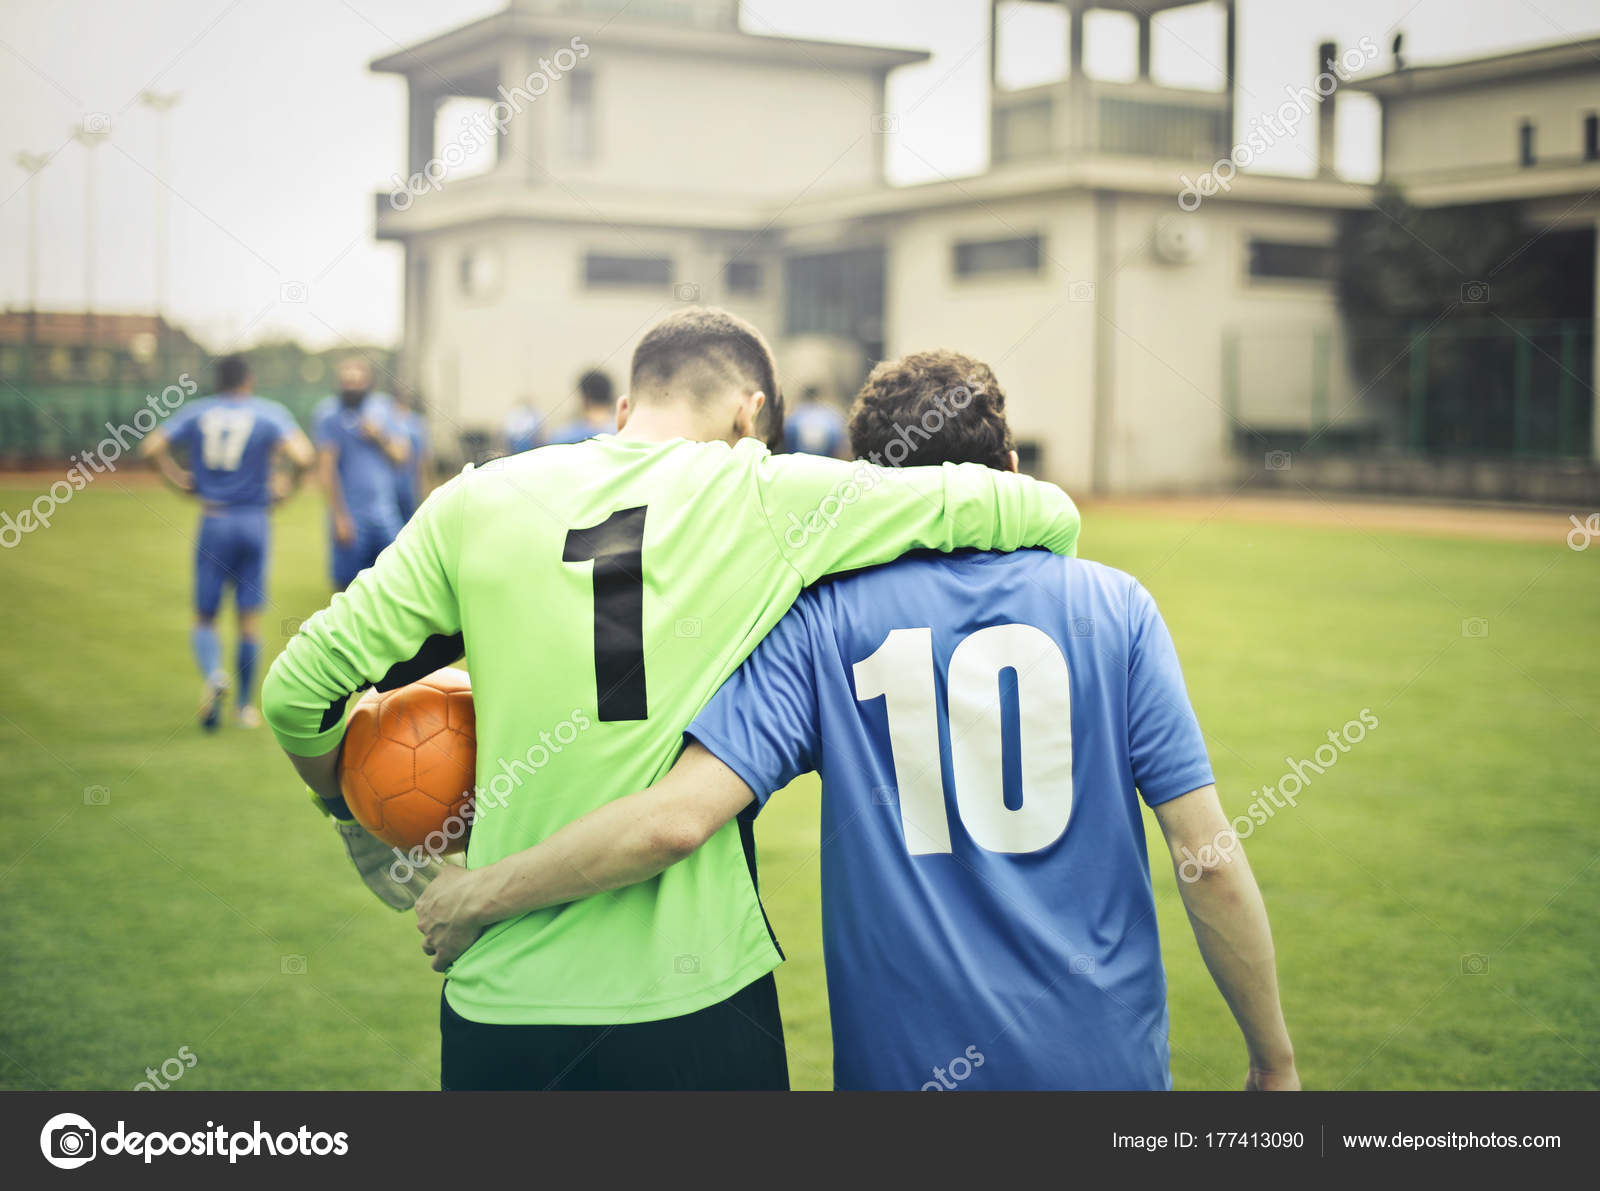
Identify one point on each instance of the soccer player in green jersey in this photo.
(601, 593)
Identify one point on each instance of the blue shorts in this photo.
(231, 549)
(349, 561)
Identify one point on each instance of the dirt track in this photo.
(1498, 523)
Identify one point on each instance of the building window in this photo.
(837, 294)
(581, 122)
(1591, 137)
(979, 258)
(1277, 260)
(742, 277)
(1525, 146)
(601, 270)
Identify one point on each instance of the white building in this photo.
(661, 154)
(1522, 128)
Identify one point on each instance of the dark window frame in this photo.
(1268, 260)
(967, 263)
(609, 270)
(755, 277)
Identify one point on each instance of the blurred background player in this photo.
(985, 725)
(815, 426)
(598, 414)
(669, 984)
(360, 444)
(522, 427)
(411, 477)
(233, 441)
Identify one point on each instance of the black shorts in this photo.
(734, 1045)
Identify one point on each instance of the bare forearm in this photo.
(320, 773)
(619, 844)
(177, 476)
(1230, 926)
(328, 478)
(629, 840)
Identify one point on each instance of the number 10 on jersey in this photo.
(901, 673)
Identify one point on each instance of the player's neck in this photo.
(663, 423)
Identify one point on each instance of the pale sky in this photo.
(282, 136)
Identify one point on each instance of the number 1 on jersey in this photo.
(616, 547)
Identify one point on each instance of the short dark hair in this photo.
(707, 337)
(939, 406)
(232, 372)
(769, 423)
(595, 388)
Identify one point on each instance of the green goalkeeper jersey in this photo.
(601, 593)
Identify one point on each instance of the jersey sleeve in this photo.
(764, 722)
(398, 621)
(182, 428)
(829, 515)
(1167, 750)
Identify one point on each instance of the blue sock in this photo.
(245, 664)
(207, 649)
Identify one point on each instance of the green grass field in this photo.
(1433, 894)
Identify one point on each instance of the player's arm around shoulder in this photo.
(628, 840)
(1229, 918)
(829, 515)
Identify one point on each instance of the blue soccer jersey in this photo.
(409, 472)
(366, 474)
(984, 725)
(230, 439)
(579, 431)
(814, 430)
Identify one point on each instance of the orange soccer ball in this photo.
(407, 770)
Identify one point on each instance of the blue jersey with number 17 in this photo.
(230, 438)
(984, 725)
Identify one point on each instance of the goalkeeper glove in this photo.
(394, 877)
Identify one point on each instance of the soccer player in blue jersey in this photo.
(233, 441)
(411, 477)
(815, 427)
(985, 726)
(360, 443)
(598, 415)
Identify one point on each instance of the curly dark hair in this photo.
(932, 407)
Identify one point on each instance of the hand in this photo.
(372, 430)
(448, 915)
(398, 884)
(1281, 1079)
(282, 487)
(344, 529)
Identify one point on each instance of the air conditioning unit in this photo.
(1179, 240)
